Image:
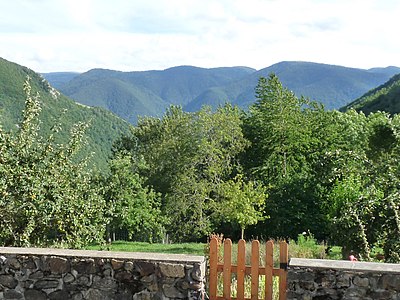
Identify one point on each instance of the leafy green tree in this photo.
(384, 152)
(46, 191)
(186, 156)
(283, 148)
(277, 128)
(242, 202)
(360, 178)
(132, 206)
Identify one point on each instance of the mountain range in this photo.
(148, 93)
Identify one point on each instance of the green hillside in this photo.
(104, 128)
(128, 101)
(386, 98)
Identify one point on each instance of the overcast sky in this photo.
(130, 35)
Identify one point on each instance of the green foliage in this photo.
(391, 229)
(361, 180)
(46, 192)
(131, 206)
(277, 128)
(340, 168)
(242, 202)
(351, 207)
(208, 153)
(189, 174)
(186, 157)
(283, 150)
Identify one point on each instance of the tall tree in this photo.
(187, 155)
(278, 131)
(280, 128)
(46, 191)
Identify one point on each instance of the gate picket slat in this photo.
(283, 259)
(213, 268)
(269, 267)
(241, 269)
(255, 264)
(227, 275)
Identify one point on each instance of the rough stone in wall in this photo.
(327, 279)
(36, 274)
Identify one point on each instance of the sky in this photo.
(136, 35)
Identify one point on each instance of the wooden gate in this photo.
(256, 272)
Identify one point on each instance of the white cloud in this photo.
(58, 35)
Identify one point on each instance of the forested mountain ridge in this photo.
(130, 94)
(133, 94)
(104, 127)
(385, 97)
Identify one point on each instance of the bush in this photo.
(307, 246)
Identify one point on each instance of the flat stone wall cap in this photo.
(344, 265)
(138, 256)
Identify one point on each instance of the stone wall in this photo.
(36, 274)
(328, 279)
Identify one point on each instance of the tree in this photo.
(280, 127)
(242, 202)
(132, 206)
(186, 156)
(352, 206)
(384, 152)
(46, 191)
(361, 180)
(277, 129)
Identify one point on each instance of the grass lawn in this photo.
(306, 248)
(184, 248)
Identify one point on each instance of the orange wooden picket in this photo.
(241, 269)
